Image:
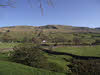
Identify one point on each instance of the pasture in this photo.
(5, 47)
(10, 68)
(80, 50)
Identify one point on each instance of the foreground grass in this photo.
(59, 59)
(9, 68)
(4, 56)
(81, 50)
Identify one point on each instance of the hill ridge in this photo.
(55, 28)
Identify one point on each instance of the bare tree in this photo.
(7, 3)
(11, 2)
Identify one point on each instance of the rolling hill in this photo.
(26, 33)
(48, 28)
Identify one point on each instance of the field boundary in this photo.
(72, 55)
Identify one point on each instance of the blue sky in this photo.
(66, 12)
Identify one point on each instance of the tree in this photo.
(29, 54)
(97, 42)
(84, 67)
(8, 31)
(32, 55)
(59, 39)
(6, 37)
(76, 40)
(11, 2)
(7, 3)
(38, 37)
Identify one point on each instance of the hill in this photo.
(55, 28)
(60, 33)
(98, 28)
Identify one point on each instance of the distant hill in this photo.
(54, 28)
(98, 28)
(68, 33)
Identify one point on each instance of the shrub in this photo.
(32, 55)
(85, 67)
(29, 54)
(76, 41)
(55, 67)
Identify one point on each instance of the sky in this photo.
(83, 13)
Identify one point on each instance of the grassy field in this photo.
(81, 50)
(7, 45)
(11, 68)
(59, 59)
(62, 34)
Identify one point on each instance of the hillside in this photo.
(98, 28)
(48, 28)
(10, 68)
(69, 40)
(21, 34)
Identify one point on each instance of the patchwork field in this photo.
(5, 47)
(8, 45)
(11, 68)
(80, 50)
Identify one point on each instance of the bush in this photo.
(32, 55)
(55, 67)
(29, 54)
(85, 67)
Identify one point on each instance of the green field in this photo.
(80, 50)
(51, 33)
(7, 45)
(59, 59)
(11, 68)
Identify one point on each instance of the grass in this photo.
(4, 57)
(51, 58)
(11, 68)
(81, 50)
(8, 45)
(59, 59)
(5, 47)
